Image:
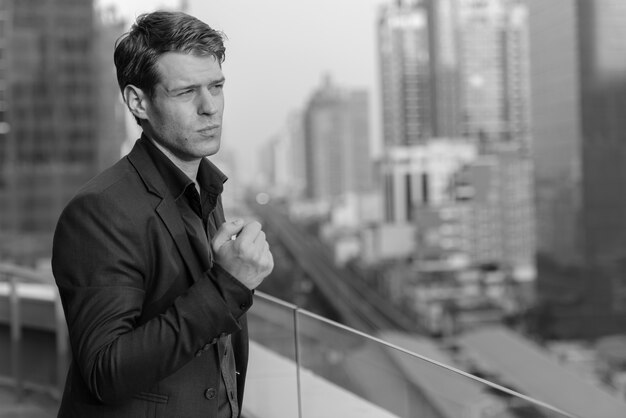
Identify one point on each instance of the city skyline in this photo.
(589, 233)
(493, 213)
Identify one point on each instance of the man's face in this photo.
(185, 113)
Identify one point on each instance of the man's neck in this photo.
(190, 168)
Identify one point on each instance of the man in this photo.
(154, 283)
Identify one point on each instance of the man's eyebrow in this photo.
(220, 80)
(170, 90)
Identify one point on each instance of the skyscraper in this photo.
(405, 69)
(282, 160)
(453, 68)
(445, 68)
(493, 48)
(578, 79)
(51, 80)
(337, 142)
(112, 114)
(501, 225)
(420, 88)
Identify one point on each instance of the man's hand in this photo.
(241, 250)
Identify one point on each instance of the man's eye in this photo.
(185, 92)
(216, 88)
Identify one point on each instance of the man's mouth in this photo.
(209, 129)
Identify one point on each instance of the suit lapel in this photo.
(166, 209)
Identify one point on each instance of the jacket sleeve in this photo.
(104, 270)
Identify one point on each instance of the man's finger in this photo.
(249, 232)
(226, 231)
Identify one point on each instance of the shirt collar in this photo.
(210, 178)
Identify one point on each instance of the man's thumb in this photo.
(225, 232)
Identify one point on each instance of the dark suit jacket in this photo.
(143, 314)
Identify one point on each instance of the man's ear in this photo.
(136, 100)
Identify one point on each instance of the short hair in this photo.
(154, 34)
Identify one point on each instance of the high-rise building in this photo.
(578, 85)
(54, 108)
(405, 71)
(7, 209)
(493, 48)
(282, 160)
(454, 67)
(112, 115)
(496, 191)
(337, 142)
(445, 68)
(465, 64)
(420, 92)
(517, 211)
(516, 75)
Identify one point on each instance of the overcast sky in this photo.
(276, 54)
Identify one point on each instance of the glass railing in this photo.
(303, 365)
(33, 333)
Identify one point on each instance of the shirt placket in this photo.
(227, 366)
(227, 361)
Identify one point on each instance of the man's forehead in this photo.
(180, 67)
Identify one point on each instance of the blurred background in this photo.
(464, 160)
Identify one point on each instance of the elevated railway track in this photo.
(358, 305)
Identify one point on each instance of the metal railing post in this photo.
(16, 337)
(296, 326)
(62, 349)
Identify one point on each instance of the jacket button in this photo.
(206, 347)
(210, 393)
(198, 353)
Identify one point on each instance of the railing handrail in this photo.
(25, 274)
(412, 354)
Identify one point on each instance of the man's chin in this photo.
(207, 147)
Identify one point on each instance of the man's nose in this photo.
(208, 103)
